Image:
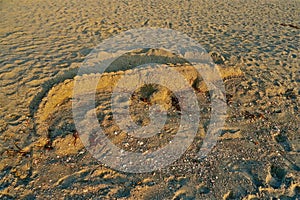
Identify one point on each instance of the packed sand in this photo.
(255, 45)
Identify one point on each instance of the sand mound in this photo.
(53, 117)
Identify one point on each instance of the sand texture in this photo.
(255, 46)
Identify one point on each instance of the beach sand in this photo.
(255, 45)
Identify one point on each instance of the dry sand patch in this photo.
(42, 45)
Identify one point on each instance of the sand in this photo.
(256, 47)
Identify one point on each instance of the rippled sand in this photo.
(256, 45)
